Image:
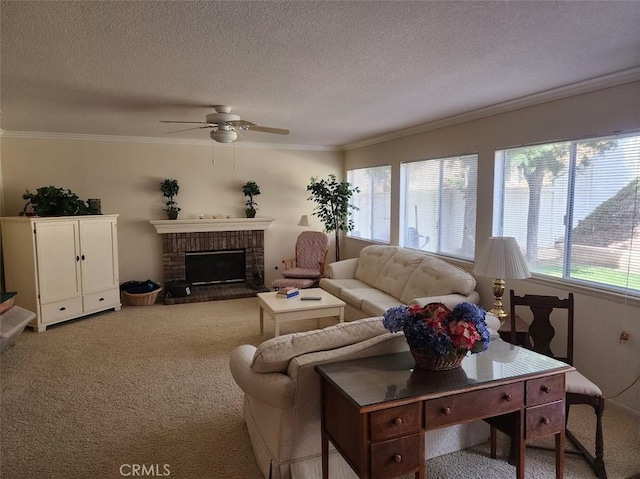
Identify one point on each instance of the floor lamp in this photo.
(501, 259)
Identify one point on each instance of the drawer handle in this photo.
(507, 397)
(82, 257)
(63, 308)
(397, 421)
(101, 299)
(446, 411)
(397, 458)
(545, 420)
(77, 258)
(546, 389)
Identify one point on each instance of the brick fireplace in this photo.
(186, 236)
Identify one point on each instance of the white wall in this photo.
(599, 317)
(126, 176)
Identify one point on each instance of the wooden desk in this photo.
(375, 410)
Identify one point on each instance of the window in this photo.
(438, 205)
(574, 208)
(372, 219)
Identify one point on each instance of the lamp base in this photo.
(498, 291)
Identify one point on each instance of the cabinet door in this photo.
(98, 247)
(58, 259)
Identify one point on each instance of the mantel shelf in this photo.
(222, 224)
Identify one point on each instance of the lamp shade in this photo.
(304, 221)
(502, 258)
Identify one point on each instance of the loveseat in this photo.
(385, 276)
(282, 397)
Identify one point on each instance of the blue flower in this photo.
(395, 318)
(468, 312)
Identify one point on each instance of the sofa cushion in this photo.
(396, 272)
(434, 277)
(378, 308)
(335, 286)
(371, 262)
(356, 296)
(275, 354)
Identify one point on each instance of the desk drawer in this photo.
(395, 457)
(467, 406)
(544, 390)
(544, 420)
(394, 422)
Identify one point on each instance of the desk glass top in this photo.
(377, 379)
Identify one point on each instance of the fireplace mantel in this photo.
(204, 225)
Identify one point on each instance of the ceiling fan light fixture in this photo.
(224, 136)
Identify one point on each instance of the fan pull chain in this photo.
(213, 158)
(234, 156)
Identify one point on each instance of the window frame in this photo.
(388, 199)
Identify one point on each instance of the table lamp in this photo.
(502, 259)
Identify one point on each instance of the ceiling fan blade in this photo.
(240, 137)
(187, 122)
(187, 129)
(266, 129)
(241, 123)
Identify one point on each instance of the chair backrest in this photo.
(541, 331)
(311, 250)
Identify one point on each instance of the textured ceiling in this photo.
(333, 72)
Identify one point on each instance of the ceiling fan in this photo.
(226, 127)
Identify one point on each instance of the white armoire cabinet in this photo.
(62, 267)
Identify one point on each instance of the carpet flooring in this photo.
(149, 387)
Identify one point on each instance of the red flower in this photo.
(463, 334)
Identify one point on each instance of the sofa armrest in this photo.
(344, 269)
(275, 389)
(449, 300)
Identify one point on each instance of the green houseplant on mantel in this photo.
(250, 189)
(170, 188)
(333, 199)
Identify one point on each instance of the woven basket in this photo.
(142, 299)
(433, 362)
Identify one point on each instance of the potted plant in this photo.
(333, 207)
(250, 189)
(53, 201)
(170, 188)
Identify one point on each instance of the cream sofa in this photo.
(386, 276)
(282, 397)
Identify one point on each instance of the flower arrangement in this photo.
(436, 331)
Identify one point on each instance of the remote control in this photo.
(310, 298)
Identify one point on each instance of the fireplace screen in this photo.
(215, 267)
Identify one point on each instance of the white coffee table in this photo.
(291, 309)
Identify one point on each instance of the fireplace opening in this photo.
(215, 267)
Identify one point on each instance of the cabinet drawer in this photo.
(101, 300)
(544, 420)
(68, 308)
(394, 422)
(544, 390)
(463, 407)
(395, 457)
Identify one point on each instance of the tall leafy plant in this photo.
(170, 188)
(333, 205)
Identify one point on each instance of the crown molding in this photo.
(578, 88)
(37, 135)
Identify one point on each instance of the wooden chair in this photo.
(306, 269)
(579, 390)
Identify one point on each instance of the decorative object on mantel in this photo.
(170, 188)
(54, 201)
(333, 205)
(250, 189)
(438, 337)
(502, 259)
